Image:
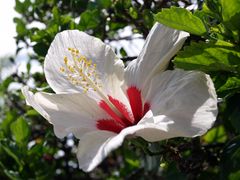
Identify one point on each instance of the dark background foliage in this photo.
(28, 147)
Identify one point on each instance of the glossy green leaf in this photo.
(32, 112)
(217, 134)
(213, 6)
(211, 56)
(40, 48)
(5, 83)
(6, 123)
(231, 13)
(133, 13)
(104, 3)
(22, 6)
(20, 27)
(20, 131)
(55, 12)
(89, 19)
(123, 52)
(231, 86)
(182, 19)
(148, 18)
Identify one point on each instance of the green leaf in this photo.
(216, 134)
(56, 15)
(9, 118)
(231, 86)
(20, 27)
(39, 36)
(234, 175)
(231, 13)
(20, 131)
(89, 20)
(22, 7)
(28, 66)
(207, 57)
(148, 18)
(32, 112)
(104, 3)
(123, 52)
(133, 12)
(4, 84)
(213, 7)
(40, 48)
(182, 19)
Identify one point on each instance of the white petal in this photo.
(113, 88)
(95, 146)
(161, 45)
(186, 100)
(90, 47)
(31, 102)
(69, 113)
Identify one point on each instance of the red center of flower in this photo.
(126, 118)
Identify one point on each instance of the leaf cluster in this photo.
(215, 49)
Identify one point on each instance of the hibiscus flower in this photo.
(102, 103)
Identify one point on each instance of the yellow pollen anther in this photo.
(65, 60)
(62, 69)
(81, 71)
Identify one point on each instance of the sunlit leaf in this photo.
(217, 134)
(231, 86)
(212, 56)
(89, 19)
(231, 13)
(7, 121)
(20, 131)
(182, 19)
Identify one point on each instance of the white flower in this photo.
(101, 103)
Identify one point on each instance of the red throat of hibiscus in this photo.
(81, 71)
(118, 122)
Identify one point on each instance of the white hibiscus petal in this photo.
(92, 48)
(155, 128)
(95, 146)
(161, 45)
(31, 102)
(69, 113)
(185, 99)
